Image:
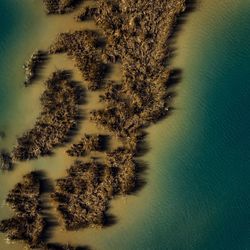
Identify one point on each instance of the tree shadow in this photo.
(142, 146)
(104, 142)
(140, 182)
(109, 220)
(191, 6)
(46, 187)
(76, 4)
(175, 77)
(50, 224)
(57, 246)
(73, 130)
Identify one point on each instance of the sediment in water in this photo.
(135, 35)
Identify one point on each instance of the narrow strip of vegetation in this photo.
(32, 66)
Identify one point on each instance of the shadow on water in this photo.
(210, 172)
(47, 188)
(109, 220)
(57, 246)
(174, 78)
(141, 169)
(143, 148)
(191, 6)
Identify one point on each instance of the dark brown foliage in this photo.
(136, 34)
(83, 195)
(60, 6)
(83, 46)
(87, 144)
(60, 112)
(27, 224)
(86, 13)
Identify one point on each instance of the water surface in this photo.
(196, 195)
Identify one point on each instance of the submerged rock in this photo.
(136, 35)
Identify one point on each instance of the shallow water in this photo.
(196, 195)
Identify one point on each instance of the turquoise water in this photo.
(203, 180)
(18, 37)
(10, 34)
(197, 192)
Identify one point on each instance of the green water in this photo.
(197, 192)
(18, 27)
(203, 179)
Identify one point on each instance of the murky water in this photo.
(196, 196)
